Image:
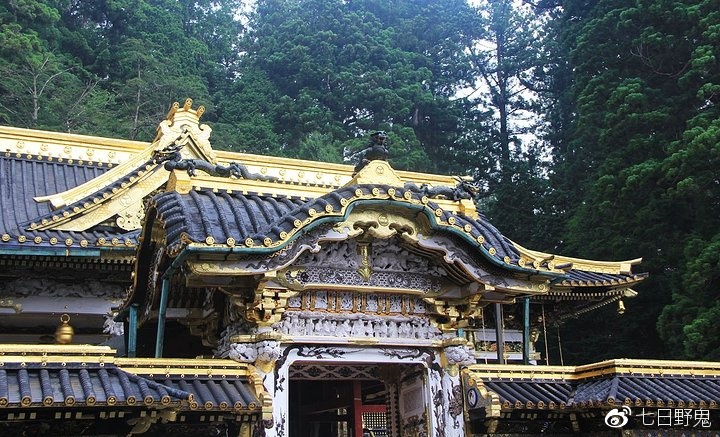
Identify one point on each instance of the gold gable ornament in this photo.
(135, 179)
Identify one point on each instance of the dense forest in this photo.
(592, 126)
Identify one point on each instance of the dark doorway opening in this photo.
(338, 408)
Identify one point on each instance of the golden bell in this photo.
(64, 332)
(621, 307)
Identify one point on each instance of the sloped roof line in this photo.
(287, 224)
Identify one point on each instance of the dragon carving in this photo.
(463, 190)
(173, 160)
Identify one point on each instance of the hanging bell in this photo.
(64, 332)
(621, 308)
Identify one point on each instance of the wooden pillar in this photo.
(499, 334)
(357, 409)
(526, 331)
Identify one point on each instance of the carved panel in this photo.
(320, 275)
(368, 303)
(334, 372)
(45, 287)
(386, 255)
(310, 323)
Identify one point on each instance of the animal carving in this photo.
(463, 190)
(173, 161)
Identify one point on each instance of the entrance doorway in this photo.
(341, 400)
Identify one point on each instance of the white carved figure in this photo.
(358, 330)
(294, 325)
(268, 351)
(327, 328)
(243, 352)
(381, 330)
(422, 331)
(111, 327)
(392, 330)
(405, 330)
(459, 355)
(344, 328)
(287, 325)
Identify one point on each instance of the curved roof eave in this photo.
(336, 207)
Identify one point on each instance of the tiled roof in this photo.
(24, 178)
(215, 393)
(531, 393)
(645, 383)
(254, 220)
(579, 278)
(75, 384)
(693, 392)
(251, 222)
(36, 385)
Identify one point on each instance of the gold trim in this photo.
(611, 367)
(610, 267)
(183, 366)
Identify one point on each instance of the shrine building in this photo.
(171, 288)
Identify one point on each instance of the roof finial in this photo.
(375, 150)
(186, 112)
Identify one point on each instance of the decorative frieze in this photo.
(322, 372)
(309, 323)
(349, 302)
(313, 275)
(45, 287)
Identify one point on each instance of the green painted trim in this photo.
(132, 331)
(500, 333)
(52, 252)
(162, 310)
(160, 338)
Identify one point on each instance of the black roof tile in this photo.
(34, 385)
(92, 384)
(607, 390)
(519, 392)
(25, 178)
(241, 216)
(667, 389)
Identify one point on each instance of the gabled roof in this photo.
(27, 176)
(243, 221)
(258, 222)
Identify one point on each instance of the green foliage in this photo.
(509, 63)
(111, 68)
(364, 66)
(643, 154)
